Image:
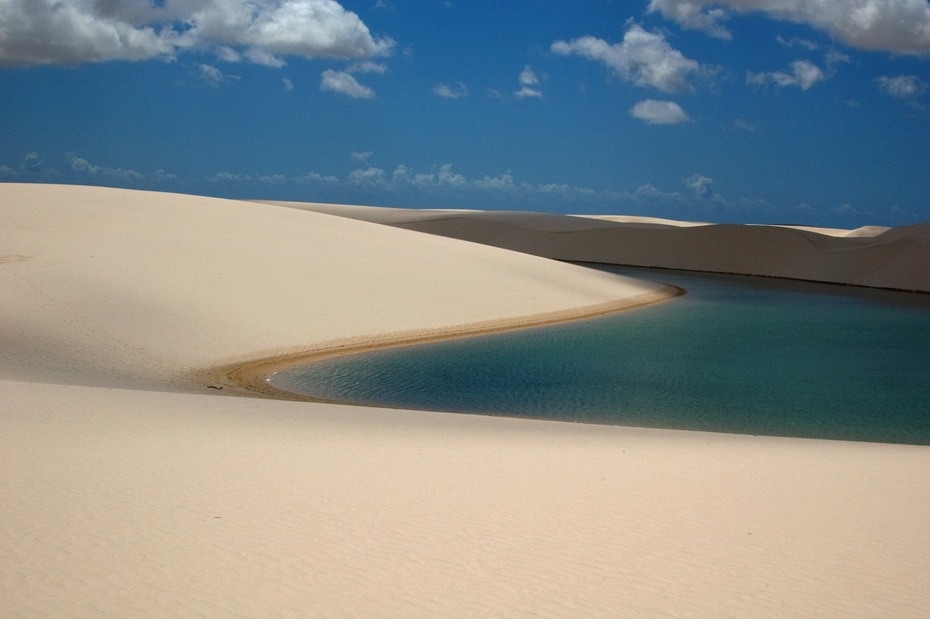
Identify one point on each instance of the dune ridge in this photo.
(877, 257)
(133, 488)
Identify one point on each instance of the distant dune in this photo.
(897, 258)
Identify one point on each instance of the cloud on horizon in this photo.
(260, 31)
(444, 183)
(896, 26)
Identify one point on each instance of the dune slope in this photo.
(118, 287)
(883, 258)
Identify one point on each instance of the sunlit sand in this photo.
(142, 474)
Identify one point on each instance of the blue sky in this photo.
(760, 111)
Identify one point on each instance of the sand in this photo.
(132, 488)
(872, 256)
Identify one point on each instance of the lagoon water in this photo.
(735, 354)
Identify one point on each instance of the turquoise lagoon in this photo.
(735, 354)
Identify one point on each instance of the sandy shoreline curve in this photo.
(252, 376)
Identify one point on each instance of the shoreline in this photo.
(251, 377)
(853, 288)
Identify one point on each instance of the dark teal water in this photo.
(740, 355)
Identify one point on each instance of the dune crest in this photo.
(873, 256)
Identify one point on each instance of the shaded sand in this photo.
(130, 488)
(873, 256)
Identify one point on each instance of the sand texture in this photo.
(131, 488)
(874, 256)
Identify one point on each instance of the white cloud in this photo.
(901, 86)
(263, 57)
(362, 156)
(699, 184)
(644, 58)
(652, 192)
(56, 32)
(898, 26)
(123, 175)
(659, 112)
(31, 163)
(288, 84)
(49, 31)
(370, 176)
(315, 177)
(527, 92)
(528, 77)
(451, 91)
(798, 42)
(694, 16)
(833, 57)
(367, 66)
(213, 76)
(803, 74)
(230, 177)
(528, 82)
(342, 83)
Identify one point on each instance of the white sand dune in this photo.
(872, 256)
(131, 488)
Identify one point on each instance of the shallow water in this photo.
(735, 354)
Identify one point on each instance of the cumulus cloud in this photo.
(451, 91)
(120, 175)
(528, 84)
(699, 184)
(527, 92)
(694, 16)
(316, 177)
(30, 164)
(644, 58)
(343, 83)
(659, 112)
(898, 26)
(445, 178)
(528, 77)
(262, 31)
(368, 176)
(905, 87)
(803, 74)
(798, 42)
(213, 76)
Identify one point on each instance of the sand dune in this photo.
(132, 488)
(879, 257)
(126, 288)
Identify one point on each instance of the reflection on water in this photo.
(735, 354)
